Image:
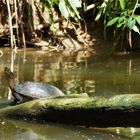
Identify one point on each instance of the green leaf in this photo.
(75, 3)
(136, 29)
(131, 22)
(112, 21)
(121, 19)
(122, 4)
(55, 2)
(102, 9)
(72, 13)
(137, 19)
(121, 24)
(63, 9)
(98, 15)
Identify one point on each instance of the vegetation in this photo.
(122, 14)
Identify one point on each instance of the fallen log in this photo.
(120, 110)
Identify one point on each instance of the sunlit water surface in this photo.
(103, 76)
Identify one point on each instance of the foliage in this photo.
(68, 8)
(121, 14)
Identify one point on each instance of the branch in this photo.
(120, 110)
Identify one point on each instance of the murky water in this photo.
(99, 76)
(17, 130)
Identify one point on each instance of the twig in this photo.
(135, 7)
(16, 23)
(10, 23)
(89, 7)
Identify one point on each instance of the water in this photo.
(101, 76)
(17, 130)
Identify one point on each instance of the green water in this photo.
(17, 130)
(98, 76)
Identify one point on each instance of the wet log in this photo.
(120, 110)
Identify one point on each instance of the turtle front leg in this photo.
(17, 102)
(18, 98)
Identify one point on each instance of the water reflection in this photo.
(102, 77)
(17, 130)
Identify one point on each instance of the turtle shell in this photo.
(37, 90)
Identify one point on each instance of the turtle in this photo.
(30, 90)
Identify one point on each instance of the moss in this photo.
(44, 106)
(127, 100)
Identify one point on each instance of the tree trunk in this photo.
(120, 110)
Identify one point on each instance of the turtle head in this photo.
(10, 78)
